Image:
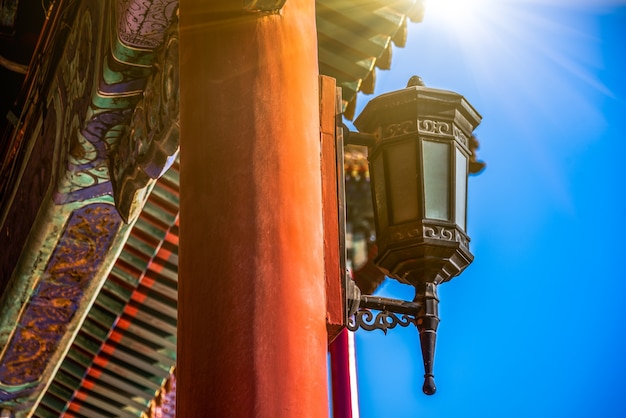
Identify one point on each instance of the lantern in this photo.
(419, 153)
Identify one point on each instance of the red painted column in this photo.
(252, 337)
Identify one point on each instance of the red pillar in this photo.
(251, 331)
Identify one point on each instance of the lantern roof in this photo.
(428, 103)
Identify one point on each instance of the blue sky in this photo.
(535, 327)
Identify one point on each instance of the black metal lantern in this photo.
(419, 154)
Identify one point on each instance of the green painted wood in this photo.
(167, 195)
(164, 311)
(89, 345)
(358, 69)
(159, 327)
(147, 369)
(90, 412)
(139, 263)
(368, 14)
(124, 276)
(80, 363)
(67, 380)
(114, 289)
(137, 392)
(134, 406)
(141, 246)
(157, 212)
(122, 371)
(95, 326)
(140, 331)
(150, 228)
(165, 290)
(109, 304)
(329, 31)
(172, 176)
(167, 273)
(44, 412)
(94, 401)
(59, 392)
(148, 352)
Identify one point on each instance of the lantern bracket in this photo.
(392, 312)
(422, 312)
(357, 138)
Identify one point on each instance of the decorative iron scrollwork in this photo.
(423, 312)
(391, 312)
(397, 129)
(459, 135)
(439, 232)
(384, 320)
(434, 127)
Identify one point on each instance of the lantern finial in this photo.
(415, 81)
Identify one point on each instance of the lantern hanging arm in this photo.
(423, 312)
(357, 138)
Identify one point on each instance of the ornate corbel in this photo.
(150, 146)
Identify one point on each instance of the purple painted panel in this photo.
(78, 257)
(142, 23)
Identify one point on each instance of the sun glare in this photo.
(457, 15)
(529, 56)
(503, 43)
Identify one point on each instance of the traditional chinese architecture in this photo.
(97, 205)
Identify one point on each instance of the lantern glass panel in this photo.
(437, 179)
(461, 188)
(377, 168)
(402, 185)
